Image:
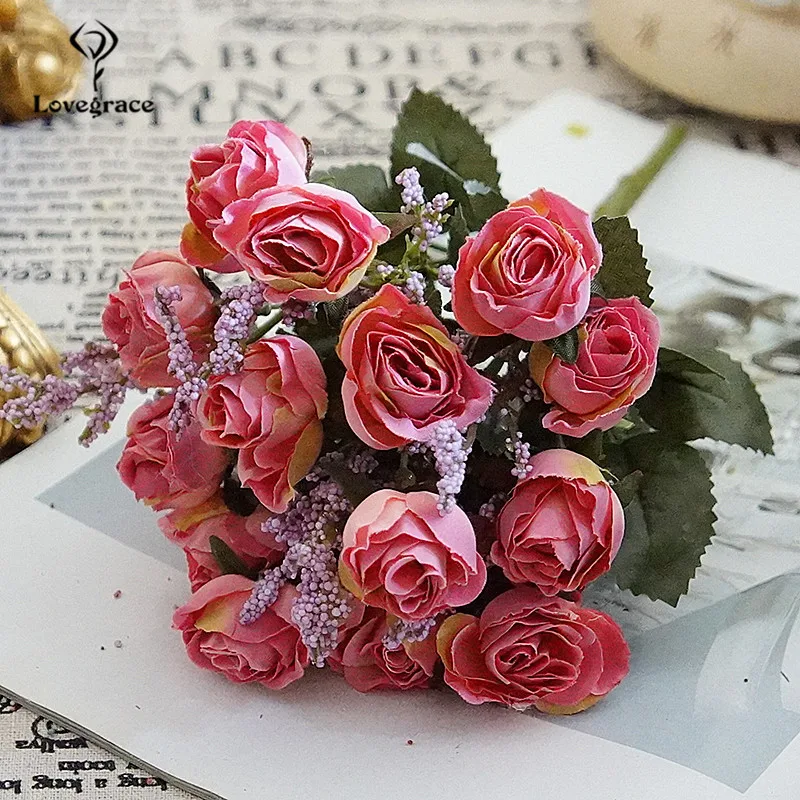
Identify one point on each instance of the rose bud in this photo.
(400, 554)
(193, 529)
(528, 271)
(367, 664)
(617, 360)
(271, 411)
(530, 650)
(166, 471)
(269, 651)
(562, 527)
(132, 324)
(404, 373)
(254, 156)
(311, 242)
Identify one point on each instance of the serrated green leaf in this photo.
(669, 520)
(688, 404)
(624, 272)
(450, 153)
(229, 563)
(367, 182)
(566, 346)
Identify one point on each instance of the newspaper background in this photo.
(80, 200)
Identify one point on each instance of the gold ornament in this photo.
(36, 58)
(23, 347)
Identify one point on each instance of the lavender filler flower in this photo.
(181, 359)
(95, 370)
(430, 215)
(310, 530)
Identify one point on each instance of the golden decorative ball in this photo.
(36, 58)
(23, 347)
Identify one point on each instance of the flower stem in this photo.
(631, 187)
(265, 327)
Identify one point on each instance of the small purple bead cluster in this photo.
(451, 453)
(310, 530)
(295, 311)
(412, 195)
(239, 306)
(432, 220)
(431, 215)
(95, 370)
(414, 287)
(446, 274)
(522, 456)
(401, 632)
(361, 462)
(98, 371)
(181, 360)
(31, 402)
(530, 391)
(491, 508)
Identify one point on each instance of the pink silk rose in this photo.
(131, 323)
(368, 665)
(269, 651)
(254, 156)
(404, 373)
(271, 411)
(400, 554)
(562, 527)
(528, 271)
(617, 361)
(310, 242)
(166, 471)
(256, 548)
(527, 649)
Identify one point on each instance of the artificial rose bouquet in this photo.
(403, 443)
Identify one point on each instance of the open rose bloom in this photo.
(367, 471)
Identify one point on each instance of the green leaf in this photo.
(433, 299)
(393, 250)
(356, 487)
(450, 154)
(459, 230)
(483, 347)
(334, 311)
(396, 222)
(627, 489)
(624, 272)
(566, 346)
(367, 182)
(229, 563)
(686, 402)
(590, 445)
(668, 520)
(677, 361)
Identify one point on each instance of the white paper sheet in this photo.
(712, 206)
(319, 738)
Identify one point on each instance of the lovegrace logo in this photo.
(96, 45)
(95, 41)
